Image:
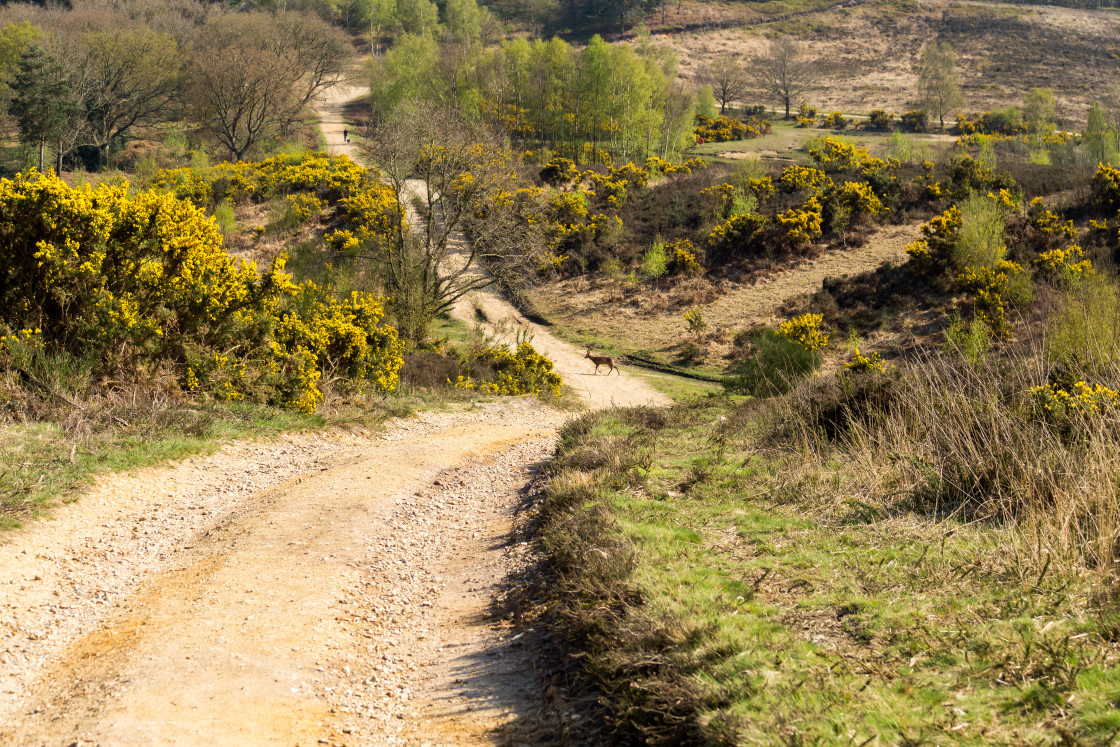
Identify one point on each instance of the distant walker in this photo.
(602, 360)
(346, 136)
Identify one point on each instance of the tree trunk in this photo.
(42, 148)
(787, 107)
(58, 171)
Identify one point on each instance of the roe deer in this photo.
(602, 360)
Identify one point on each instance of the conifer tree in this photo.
(42, 104)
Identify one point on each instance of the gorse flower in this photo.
(524, 371)
(805, 330)
(144, 280)
(1054, 402)
(859, 362)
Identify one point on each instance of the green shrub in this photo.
(1001, 121)
(225, 218)
(970, 341)
(980, 242)
(655, 262)
(774, 367)
(1083, 333)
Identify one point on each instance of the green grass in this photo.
(765, 604)
(787, 141)
(677, 388)
(41, 464)
(453, 330)
(615, 342)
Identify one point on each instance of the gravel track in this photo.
(340, 598)
(339, 588)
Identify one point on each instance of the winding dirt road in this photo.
(317, 589)
(578, 372)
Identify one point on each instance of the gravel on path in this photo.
(243, 598)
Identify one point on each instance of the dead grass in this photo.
(730, 592)
(868, 52)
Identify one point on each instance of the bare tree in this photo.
(939, 88)
(130, 78)
(459, 180)
(320, 55)
(254, 74)
(728, 80)
(236, 94)
(782, 74)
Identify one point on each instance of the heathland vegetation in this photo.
(897, 522)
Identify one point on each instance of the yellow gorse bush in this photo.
(522, 372)
(859, 362)
(331, 177)
(737, 232)
(684, 258)
(1106, 186)
(835, 155)
(802, 225)
(932, 188)
(988, 288)
(300, 207)
(143, 281)
(1065, 264)
(805, 330)
(762, 188)
(1048, 223)
(1055, 402)
(939, 237)
(861, 199)
(796, 178)
(1007, 200)
(724, 129)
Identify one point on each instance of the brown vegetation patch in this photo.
(868, 53)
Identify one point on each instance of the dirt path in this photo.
(319, 589)
(578, 372)
(587, 309)
(309, 610)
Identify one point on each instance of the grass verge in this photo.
(724, 590)
(47, 462)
